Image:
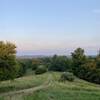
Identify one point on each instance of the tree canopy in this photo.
(7, 60)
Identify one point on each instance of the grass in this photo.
(77, 90)
(61, 94)
(22, 83)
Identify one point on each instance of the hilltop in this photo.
(47, 87)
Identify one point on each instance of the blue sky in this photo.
(44, 27)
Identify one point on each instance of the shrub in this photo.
(41, 69)
(67, 76)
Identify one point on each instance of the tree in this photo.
(46, 61)
(36, 63)
(22, 68)
(98, 60)
(86, 68)
(78, 58)
(7, 60)
(99, 53)
(59, 63)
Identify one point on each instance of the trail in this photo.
(13, 95)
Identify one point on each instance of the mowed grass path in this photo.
(77, 90)
(26, 82)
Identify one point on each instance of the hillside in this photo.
(47, 87)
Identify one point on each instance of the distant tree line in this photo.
(82, 66)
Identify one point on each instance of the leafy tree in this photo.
(46, 61)
(98, 61)
(78, 58)
(86, 68)
(22, 68)
(59, 63)
(7, 60)
(36, 63)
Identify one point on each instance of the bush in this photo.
(41, 69)
(21, 70)
(67, 76)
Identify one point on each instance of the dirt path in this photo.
(13, 95)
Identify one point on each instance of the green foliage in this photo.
(95, 76)
(21, 69)
(98, 61)
(59, 63)
(36, 63)
(79, 59)
(87, 68)
(7, 61)
(24, 65)
(46, 61)
(26, 62)
(41, 69)
(67, 76)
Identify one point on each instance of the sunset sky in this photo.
(45, 27)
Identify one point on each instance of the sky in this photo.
(47, 27)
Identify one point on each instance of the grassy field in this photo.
(22, 83)
(55, 90)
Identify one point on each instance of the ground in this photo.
(48, 87)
